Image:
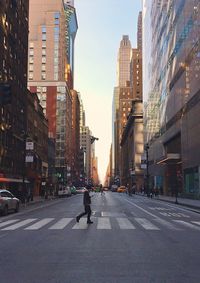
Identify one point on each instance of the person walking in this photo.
(86, 203)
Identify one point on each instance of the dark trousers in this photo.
(87, 211)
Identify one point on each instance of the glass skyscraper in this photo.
(171, 89)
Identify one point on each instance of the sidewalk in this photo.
(192, 203)
(37, 199)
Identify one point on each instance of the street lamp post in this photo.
(92, 139)
(147, 172)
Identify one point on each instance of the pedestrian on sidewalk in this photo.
(86, 203)
(101, 190)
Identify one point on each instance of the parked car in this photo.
(8, 202)
(121, 189)
(80, 190)
(64, 192)
(114, 188)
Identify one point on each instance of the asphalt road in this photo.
(132, 239)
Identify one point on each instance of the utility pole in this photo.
(147, 162)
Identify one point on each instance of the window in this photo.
(43, 29)
(43, 59)
(31, 52)
(30, 67)
(43, 76)
(43, 51)
(56, 15)
(30, 75)
(44, 36)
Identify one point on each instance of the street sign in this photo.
(29, 158)
(29, 146)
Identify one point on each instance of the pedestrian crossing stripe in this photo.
(2, 224)
(196, 222)
(19, 224)
(186, 224)
(39, 224)
(146, 224)
(61, 224)
(100, 223)
(125, 223)
(103, 223)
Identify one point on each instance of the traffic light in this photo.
(5, 94)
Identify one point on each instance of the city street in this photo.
(133, 239)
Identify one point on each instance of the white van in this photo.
(64, 192)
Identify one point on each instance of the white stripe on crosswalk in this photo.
(196, 222)
(125, 223)
(146, 224)
(186, 224)
(81, 225)
(39, 224)
(61, 224)
(103, 223)
(100, 223)
(167, 224)
(8, 222)
(20, 224)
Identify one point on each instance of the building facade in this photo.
(37, 135)
(48, 74)
(132, 148)
(75, 170)
(121, 98)
(13, 90)
(172, 94)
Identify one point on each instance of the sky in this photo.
(101, 25)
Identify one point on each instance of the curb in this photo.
(192, 207)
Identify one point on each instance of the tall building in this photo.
(121, 101)
(70, 34)
(75, 170)
(13, 89)
(70, 2)
(48, 69)
(171, 89)
(139, 32)
(85, 143)
(123, 64)
(136, 73)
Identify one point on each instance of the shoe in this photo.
(89, 222)
(77, 219)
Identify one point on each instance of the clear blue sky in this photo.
(101, 26)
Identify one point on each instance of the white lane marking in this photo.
(186, 224)
(146, 224)
(39, 224)
(125, 223)
(196, 222)
(167, 224)
(62, 223)
(20, 224)
(8, 222)
(81, 225)
(155, 216)
(103, 223)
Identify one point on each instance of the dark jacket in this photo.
(86, 198)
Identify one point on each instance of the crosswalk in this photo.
(100, 223)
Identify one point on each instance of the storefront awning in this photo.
(170, 158)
